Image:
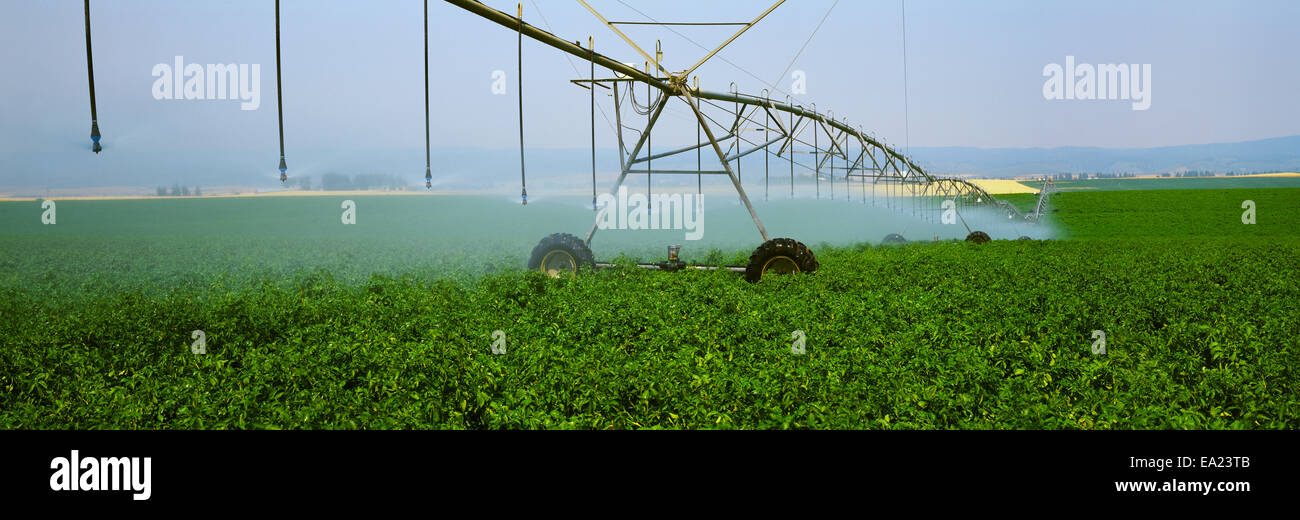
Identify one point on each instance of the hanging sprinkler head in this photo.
(523, 195)
(283, 168)
(428, 179)
(94, 137)
(659, 56)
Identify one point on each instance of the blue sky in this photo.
(1221, 72)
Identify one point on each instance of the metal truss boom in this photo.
(875, 162)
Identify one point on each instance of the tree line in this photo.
(178, 190)
(361, 181)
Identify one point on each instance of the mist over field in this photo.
(156, 241)
(132, 162)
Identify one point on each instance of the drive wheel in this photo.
(978, 237)
(561, 255)
(780, 256)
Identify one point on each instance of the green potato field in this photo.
(393, 323)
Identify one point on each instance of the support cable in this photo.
(771, 85)
(568, 58)
(805, 43)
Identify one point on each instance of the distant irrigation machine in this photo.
(829, 147)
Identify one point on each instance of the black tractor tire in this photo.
(561, 253)
(894, 238)
(1024, 238)
(978, 237)
(780, 255)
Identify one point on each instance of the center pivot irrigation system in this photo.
(723, 120)
(828, 147)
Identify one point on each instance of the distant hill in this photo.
(1278, 154)
(149, 165)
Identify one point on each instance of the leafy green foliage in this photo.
(1181, 215)
(1200, 334)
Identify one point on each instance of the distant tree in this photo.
(365, 181)
(335, 182)
(304, 182)
(176, 190)
(198, 192)
(185, 191)
(162, 191)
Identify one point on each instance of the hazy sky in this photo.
(1221, 72)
